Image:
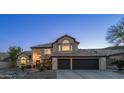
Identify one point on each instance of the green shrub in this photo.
(41, 68)
(119, 64)
(28, 66)
(23, 67)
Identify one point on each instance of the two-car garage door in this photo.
(85, 64)
(78, 64)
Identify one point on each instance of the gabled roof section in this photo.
(28, 53)
(50, 45)
(67, 36)
(47, 45)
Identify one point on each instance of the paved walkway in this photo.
(88, 74)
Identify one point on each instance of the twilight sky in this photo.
(30, 30)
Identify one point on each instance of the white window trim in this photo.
(65, 41)
(23, 60)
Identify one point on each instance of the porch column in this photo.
(102, 63)
(54, 64)
(71, 63)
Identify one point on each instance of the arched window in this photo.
(65, 46)
(65, 42)
(23, 60)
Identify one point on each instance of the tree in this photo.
(115, 33)
(13, 54)
(47, 62)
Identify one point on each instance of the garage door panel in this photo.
(64, 64)
(85, 64)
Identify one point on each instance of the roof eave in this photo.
(79, 56)
(39, 47)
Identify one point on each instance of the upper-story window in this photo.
(47, 51)
(65, 46)
(65, 42)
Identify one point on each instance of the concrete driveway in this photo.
(88, 74)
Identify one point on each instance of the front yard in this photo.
(27, 74)
(41, 75)
(60, 74)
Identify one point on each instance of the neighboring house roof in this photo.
(110, 52)
(90, 53)
(28, 53)
(4, 56)
(47, 45)
(115, 47)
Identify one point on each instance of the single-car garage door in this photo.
(64, 64)
(85, 64)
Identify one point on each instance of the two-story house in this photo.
(65, 54)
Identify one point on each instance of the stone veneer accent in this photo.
(102, 63)
(54, 64)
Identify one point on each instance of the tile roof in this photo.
(90, 53)
(109, 52)
(48, 45)
(80, 52)
(29, 53)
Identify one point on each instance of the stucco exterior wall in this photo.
(35, 54)
(38, 54)
(75, 47)
(55, 47)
